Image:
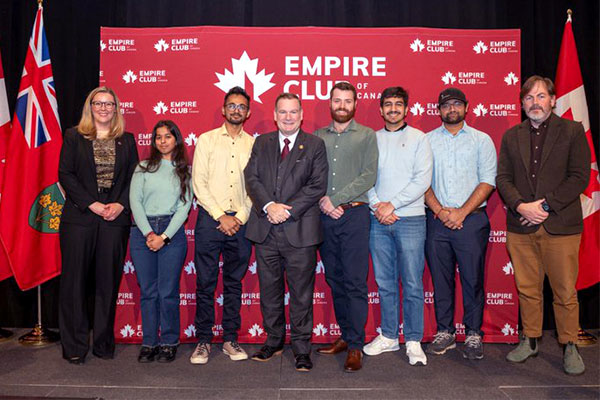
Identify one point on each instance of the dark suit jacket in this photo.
(563, 175)
(77, 176)
(304, 183)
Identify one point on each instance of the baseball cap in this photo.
(451, 94)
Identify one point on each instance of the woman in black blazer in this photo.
(97, 161)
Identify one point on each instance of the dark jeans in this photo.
(158, 275)
(345, 255)
(210, 244)
(467, 246)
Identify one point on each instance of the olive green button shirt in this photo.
(352, 157)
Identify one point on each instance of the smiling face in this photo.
(453, 112)
(103, 110)
(342, 105)
(288, 116)
(165, 142)
(538, 103)
(236, 110)
(393, 111)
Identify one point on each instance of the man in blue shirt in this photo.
(397, 239)
(464, 173)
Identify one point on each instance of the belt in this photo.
(352, 204)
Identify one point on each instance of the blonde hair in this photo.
(87, 126)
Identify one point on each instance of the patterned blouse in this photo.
(104, 157)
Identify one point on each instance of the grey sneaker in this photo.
(442, 341)
(527, 348)
(234, 351)
(473, 349)
(200, 354)
(572, 361)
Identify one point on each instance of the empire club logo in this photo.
(242, 69)
(117, 45)
(190, 331)
(191, 139)
(495, 47)
(432, 46)
(464, 78)
(176, 107)
(511, 79)
(145, 76)
(497, 236)
(496, 110)
(128, 331)
(128, 267)
(508, 269)
(255, 330)
(127, 107)
(499, 299)
(187, 299)
(125, 299)
(320, 268)
(417, 109)
(508, 330)
(190, 268)
(252, 268)
(176, 44)
(320, 330)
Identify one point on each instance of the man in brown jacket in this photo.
(543, 167)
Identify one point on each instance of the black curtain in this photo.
(73, 32)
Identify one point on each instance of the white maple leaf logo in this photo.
(511, 79)
(255, 135)
(401, 328)
(161, 45)
(128, 267)
(190, 331)
(129, 77)
(286, 298)
(220, 300)
(508, 269)
(190, 268)
(508, 330)
(242, 68)
(480, 110)
(127, 331)
(255, 330)
(160, 108)
(378, 330)
(320, 268)
(480, 47)
(448, 78)
(194, 204)
(417, 109)
(320, 330)
(191, 139)
(102, 45)
(417, 45)
(252, 268)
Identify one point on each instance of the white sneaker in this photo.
(415, 353)
(200, 354)
(381, 344)
(234, 351)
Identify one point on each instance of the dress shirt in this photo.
(291, 138)
(460, 163)
(153, 194)
(352, 157)
(404, 170)
(218, 173)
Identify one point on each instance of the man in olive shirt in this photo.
(352, 155)
(218, 180)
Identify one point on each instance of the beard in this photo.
(453, 118)
(342, 118)
(235, 119)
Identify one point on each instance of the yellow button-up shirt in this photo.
(218, 173)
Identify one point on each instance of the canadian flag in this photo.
(5, 271)
(571, 104)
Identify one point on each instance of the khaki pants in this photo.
(557, 256)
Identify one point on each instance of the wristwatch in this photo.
(545, 207)
(165, 238)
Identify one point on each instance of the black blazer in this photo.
(77, 176)
(563, 175)
(304, 183)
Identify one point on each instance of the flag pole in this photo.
(39, 336)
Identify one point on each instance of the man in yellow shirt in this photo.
(224, 207)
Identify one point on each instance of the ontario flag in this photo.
(5, 271)
(32, 201)
(571, 104)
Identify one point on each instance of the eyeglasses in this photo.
(239, 107)
(454, 104)
(109, 105)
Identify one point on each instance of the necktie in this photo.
(286, 149)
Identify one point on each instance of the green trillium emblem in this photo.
(46, 210)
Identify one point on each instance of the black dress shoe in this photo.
(75, 360)
(103, 356)
(147, 354)
(266, 352)
(303, 362)
(167, 354)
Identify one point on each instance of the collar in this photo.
(404, 125)
(350, 127)
(223, 132)
(464, 129)
(292, 138)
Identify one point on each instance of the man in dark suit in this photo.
(544, 165)
(285, 178)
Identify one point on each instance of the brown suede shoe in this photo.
(353, 360)
(336, 347)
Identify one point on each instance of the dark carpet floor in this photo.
(28, 373)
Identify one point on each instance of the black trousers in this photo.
(210, 243)
(94, 252)
(274, 257)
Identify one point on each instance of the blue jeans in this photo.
(398, 251)
(158, 274)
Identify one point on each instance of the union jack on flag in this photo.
(36, 110)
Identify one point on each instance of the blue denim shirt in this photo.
(460, 163)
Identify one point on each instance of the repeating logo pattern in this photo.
(243, 68)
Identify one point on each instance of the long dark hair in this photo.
(179, 157)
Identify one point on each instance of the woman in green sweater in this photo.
(160, 199)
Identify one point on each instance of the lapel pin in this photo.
(301, 146)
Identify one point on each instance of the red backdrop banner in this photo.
(183, 73)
